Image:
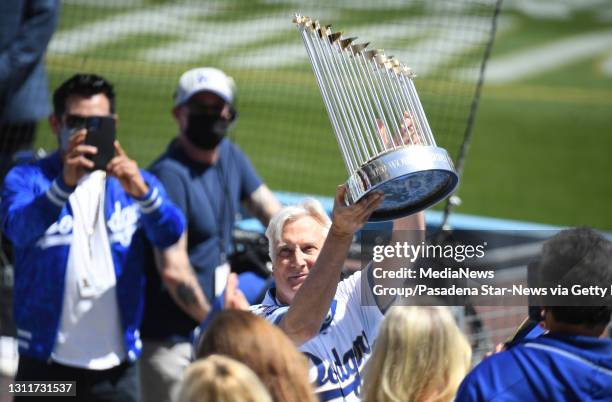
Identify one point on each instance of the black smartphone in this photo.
(101, 134)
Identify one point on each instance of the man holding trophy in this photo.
(395, 171)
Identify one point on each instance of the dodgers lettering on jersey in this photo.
(338, 354)
(121, 225)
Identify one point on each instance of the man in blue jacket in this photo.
(78, 235)
(573, 360)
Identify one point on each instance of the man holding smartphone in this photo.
(78, 221)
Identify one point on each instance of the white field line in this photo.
(553, 9)
(353, 4)
(545, 9)
(443, 42)
(541, 59)
(274, 56)
(542, 9)
(606, 67)
(287, 54)
(106, 3)
(213, 37)
(166, 20)
(449, 42)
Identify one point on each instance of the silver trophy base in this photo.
(411, 178)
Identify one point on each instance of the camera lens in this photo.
(93, 122)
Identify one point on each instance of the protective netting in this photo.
(143, 47)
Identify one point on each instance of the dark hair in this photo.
(589, 316)
(85, 85)
(578, 256)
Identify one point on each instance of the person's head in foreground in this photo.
(420, 355)
(296, 235)
(221, 379)
(573, 361)
(578, 256)
(264, 348)
(203, 107)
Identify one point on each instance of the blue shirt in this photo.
(210, 197)
(552, 367)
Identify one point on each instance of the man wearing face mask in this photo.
(209, 178)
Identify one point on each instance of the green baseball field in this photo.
(541, 148)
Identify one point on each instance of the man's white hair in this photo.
(309, 207)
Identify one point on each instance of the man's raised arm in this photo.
(409, 229)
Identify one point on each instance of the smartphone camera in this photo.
(95, 123)
(101, 134)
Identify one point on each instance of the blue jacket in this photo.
(37, 219)
(551, 367)
(26, 27)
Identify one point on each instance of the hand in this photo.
(233, 297)
(346, 220)
(408, 133)
(126, 170)
(76, 163)
(500, 347)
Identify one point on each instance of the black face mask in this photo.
(206, 131)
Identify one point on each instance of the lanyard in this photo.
(220, 210)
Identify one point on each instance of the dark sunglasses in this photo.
(77, 122)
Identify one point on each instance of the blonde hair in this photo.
(309, 207)
(221, 379)
(264, 348)
(420, 354)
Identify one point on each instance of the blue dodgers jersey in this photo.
(338, 354)
(551, 367)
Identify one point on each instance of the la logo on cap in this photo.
(201, 77)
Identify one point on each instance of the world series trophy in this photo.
(380, 126)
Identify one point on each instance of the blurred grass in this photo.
(540, 149)
(543, 160)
